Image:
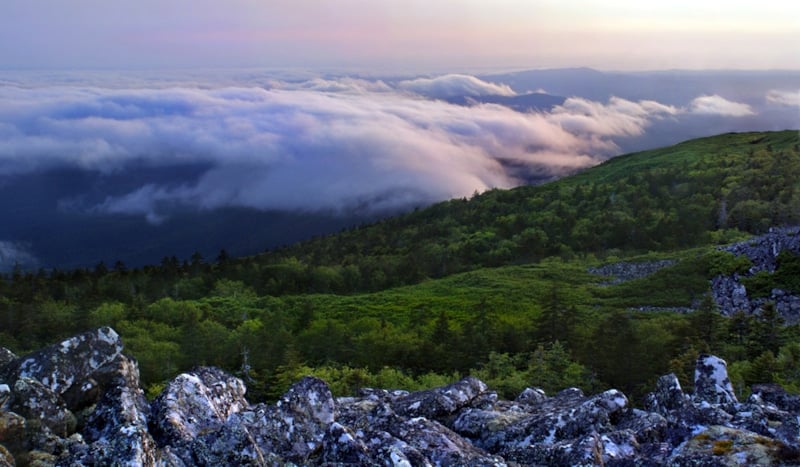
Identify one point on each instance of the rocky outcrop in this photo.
(730, 293)
(93, 412)
(626, 271)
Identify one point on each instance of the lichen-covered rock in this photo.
(724, 446)
(775, 394)
(196, 403)
(531, 396)
(341, 446)
(70, 362)
(711, 383)
(203, 419)
(667, 397)
(117, 427)
(33, 400)
(292, 430)
(440, 401)
(441, 445)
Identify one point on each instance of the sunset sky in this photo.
(408, 35)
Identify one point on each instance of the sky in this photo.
(393, 35)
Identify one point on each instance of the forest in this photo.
(496, 286)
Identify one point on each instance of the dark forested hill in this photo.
(497, 285)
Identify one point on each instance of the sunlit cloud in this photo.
(718, 105)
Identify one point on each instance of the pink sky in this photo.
(411, 35)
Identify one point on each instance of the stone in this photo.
(60, 366)
(762, 251)
(34, 400)
(667, 397)
(196, 403)
(720, 445)
(118, 425)
(711, 382)
(203, 418)
(440, 401)
(531, 396)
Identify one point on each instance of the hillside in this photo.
(497, 286)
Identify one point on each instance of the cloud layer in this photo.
(314, 144)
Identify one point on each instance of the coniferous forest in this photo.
(498, 285)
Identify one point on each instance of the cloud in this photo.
(717, 105)
(619, 117)
(784, 98)
(454, 85)
(319, 144)
(13, 254)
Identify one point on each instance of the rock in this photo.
(626, 271)
(342, 446)
(762, 251)
(719, 445)
(196, 403)
(34, 400)
(202, 418)
(667, 397)
(440, 401)
(531, 396)
(60, 366)
(711, 383)
(441, 445)
(775, 394)
(7, 358)
(117, 427)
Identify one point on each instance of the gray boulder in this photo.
(196, 403)
(70, 362)
(711, 382)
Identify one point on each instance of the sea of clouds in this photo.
(316, 143)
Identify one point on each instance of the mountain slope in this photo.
(498, 286)
(680, 196)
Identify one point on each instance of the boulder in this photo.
(440, 401)
(202, 418)
(34, 400)
(720, 445)
(531, 396)
(196, 403)
(711, 382)
(117, 427)
(70, 362)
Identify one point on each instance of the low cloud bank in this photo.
(314, 144)
(447, 86)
